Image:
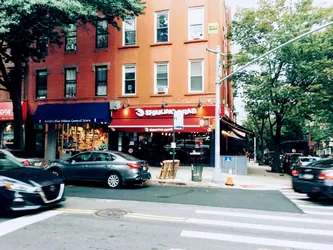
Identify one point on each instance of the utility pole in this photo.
(217, 174)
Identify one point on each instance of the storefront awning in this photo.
(6, 111)
(78, 113)
(156, 125)
(236, 129)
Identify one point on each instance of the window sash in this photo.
(196, 23)
(101, 80)
(130, 37)
(196, 76)
(41, 83)
(162, 75)
(71, 38)
(70, 82)
(129, 79)
(162, 27)
(102, 34)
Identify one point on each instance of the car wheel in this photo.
(113, 180)
(313, 196)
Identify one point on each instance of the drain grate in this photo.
(114, 213)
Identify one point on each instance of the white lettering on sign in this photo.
(158, 112)
(5, 112)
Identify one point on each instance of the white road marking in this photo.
(266, 217)
(15, 224)
(255, 240)
(292, 230)
(317, 213)
(316, 207)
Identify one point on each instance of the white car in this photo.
(305, 160)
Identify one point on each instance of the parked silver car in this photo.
(111, 167)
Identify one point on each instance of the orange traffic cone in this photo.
(230, 180)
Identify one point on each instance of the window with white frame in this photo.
(161, 77)
(129, 77)
(196, 23)
(162, 26)
(70, 82)
(129, 35)
(196, 76)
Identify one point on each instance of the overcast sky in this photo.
(248, 4)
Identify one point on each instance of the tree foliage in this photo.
(282, 84)
(24, 22)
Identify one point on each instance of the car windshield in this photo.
(321, 164)
(7, 162)
(126, 156)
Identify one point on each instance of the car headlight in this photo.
(14, 185)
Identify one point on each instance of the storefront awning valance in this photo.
(77, 113)
(238, 130)
(155, 125)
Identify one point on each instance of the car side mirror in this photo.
(72, 161)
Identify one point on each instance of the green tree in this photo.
(25, 25)
(281, 82)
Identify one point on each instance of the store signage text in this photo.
(158, 129)
(158, 112)
(5, 112)
(68, 121)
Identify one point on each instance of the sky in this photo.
(238, 102)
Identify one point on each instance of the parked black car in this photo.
(27, 188)
(314, 179)
(288, 160)
(110, 167)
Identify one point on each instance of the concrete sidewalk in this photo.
(259, 177)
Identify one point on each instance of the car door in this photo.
(99, 166)
(77, 169)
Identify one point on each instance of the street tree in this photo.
(27, 27)
(282, 81)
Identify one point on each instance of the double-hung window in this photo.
(161, 77)
(196, 77)
(196, 23)
(102, 34)
(162, 26)
(129, 35)
(101, 80)
(129, 77)
(41, 83)
(71, 38)
(70, 82)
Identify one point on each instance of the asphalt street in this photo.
(85, 224)
(215, 197)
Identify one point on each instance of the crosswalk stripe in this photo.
(255, 240)
(318, 213)
(267, 217)
(297, 196)
(315, 207)
(260, 227)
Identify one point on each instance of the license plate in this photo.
(144, 168)
(307, 176)
(37, 164)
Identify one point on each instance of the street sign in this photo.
(178, 120)
(227, 158)
(213, 28)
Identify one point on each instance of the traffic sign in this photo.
(178, 120)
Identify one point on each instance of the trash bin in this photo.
(197, 172)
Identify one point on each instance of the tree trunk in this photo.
(277, 140)
(16, 97)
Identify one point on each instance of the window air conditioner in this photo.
(161, 89)
(70, 47)
(114, 105)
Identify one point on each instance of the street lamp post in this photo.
(217, 174)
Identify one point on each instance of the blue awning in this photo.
(78, 113)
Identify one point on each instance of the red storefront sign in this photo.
(157, 119)
(6, 111)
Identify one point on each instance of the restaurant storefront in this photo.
(7, 123)
(71, 128)
(146, 132)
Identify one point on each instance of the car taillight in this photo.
(294, 172)
(326, 176)
(26, 163)
(134, 165)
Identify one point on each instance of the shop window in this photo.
(101, 80)
(162, 78)
(41, 83)
(195, 23)
(70, 82)
(162, 27)
(102, 34)
(129, 34)
(129, 79)
(196, 76)
(71, 38)
(87, 156)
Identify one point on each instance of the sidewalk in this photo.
(258, 178)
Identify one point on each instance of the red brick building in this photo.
(156, 64)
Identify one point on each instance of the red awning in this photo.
(156, 125)
(6, 111)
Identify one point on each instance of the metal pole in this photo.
(217, 174)
(254, 149)
(173, 140)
